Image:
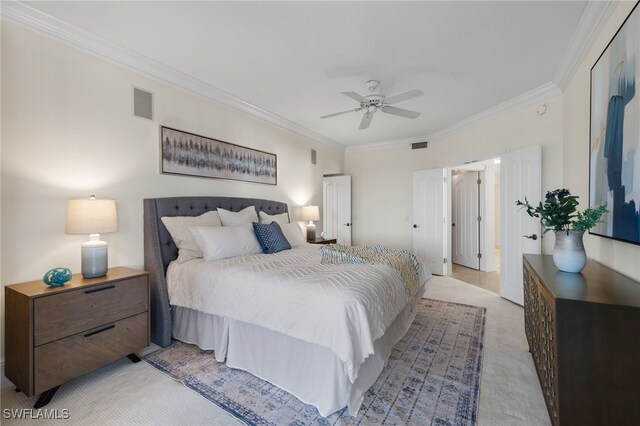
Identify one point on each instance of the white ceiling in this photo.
(293, 58)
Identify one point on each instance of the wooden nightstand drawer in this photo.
(54, 334)
(68, 313)
(60, 361)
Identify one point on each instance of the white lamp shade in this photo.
(310, 213)
(91, 216)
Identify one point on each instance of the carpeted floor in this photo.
(432, 377)
(123, 393)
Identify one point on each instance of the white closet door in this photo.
(429, 219)
(336, 194)
(465, 226)
(520, 177)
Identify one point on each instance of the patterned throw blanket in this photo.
(403, 261)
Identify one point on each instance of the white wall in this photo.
(622, 257)
(68, 132)
(382, 179)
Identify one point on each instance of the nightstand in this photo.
(55, 334)
(321, 241)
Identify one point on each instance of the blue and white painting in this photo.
(615, 134)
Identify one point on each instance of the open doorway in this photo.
(520, 175)
(475, 223)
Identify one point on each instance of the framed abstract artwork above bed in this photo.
(614, 155)
(189, 154)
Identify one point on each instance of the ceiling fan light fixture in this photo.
(375, 100)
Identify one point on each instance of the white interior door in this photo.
(429, 219)
(465, 226)
(336, 195)
(520, 177)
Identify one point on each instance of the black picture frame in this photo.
(189, 154)
(614, 150)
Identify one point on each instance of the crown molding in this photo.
(591, 23)
(596, 14)
(532, 97)
(59, 30)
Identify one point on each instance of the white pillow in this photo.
(178, 227)
(226, 241)
(293, 234)
(279, 218)
(244, 216)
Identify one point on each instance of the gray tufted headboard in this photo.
(160, 250)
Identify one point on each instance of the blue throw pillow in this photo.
(270, 237)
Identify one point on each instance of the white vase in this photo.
(568, 253)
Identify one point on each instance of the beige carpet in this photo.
(125, 393)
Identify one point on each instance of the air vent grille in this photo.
(420, 145)
(142, 103)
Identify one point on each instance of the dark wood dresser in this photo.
(584, 336)
(54, 334)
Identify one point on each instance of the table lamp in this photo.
(311, 213)
(94, 217)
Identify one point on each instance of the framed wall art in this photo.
(185, 153)
(614, 154)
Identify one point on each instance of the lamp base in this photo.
(311, 232)
(94, 259)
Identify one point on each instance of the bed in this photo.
(321, 332)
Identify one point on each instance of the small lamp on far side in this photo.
(94, 217)
(311, 213)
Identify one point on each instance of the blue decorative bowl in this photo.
(57, 277)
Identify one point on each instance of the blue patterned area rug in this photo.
(432, 377)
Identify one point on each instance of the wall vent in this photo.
(420, 145)
(313, 156)
(142, 103)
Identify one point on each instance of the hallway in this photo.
(486, 280)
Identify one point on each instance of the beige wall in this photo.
(622, 257)
(68, 132)
(382, 179)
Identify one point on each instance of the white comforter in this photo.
(342, 307)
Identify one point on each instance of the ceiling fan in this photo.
(375, 100)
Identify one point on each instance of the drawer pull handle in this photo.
(100, 289)
(100, 331)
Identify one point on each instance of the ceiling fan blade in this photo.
(355, 97)
(403, 96)
(340, 113)
(401, 112)
(366, 120)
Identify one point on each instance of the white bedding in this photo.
(342, 307)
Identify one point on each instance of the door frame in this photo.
(526, 185)
(438, 175)
(344, 231)
(489, 155)
(478, 226)
(488, 255)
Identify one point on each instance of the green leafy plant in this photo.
(589, 218)
(559, 212)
